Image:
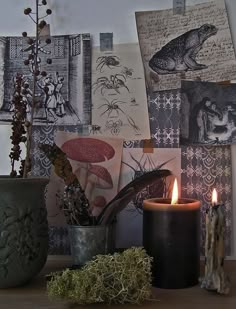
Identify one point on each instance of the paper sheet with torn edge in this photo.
(208, 113)
(64, 95)
(196, 45)
(134, 162)
(96, 162)
(119, 101)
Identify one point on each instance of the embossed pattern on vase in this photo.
(23, 230)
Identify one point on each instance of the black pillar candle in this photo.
(171, 235)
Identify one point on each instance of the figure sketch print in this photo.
(59, 100)
(208, 113)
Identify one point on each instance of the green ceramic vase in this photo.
(23, 230)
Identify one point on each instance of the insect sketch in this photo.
(118, 93)
(114, 82)
(179, 54)
(114, 126)
(112, 106)
(133, 124)
(128, 72)
(133, 102)
(107, 61)
(95, 129)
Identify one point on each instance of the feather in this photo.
(61, 164)
(121, 200)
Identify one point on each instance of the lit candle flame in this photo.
(214, 197)
(174, 199)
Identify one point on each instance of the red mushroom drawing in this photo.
(98, 203)
(98, 177)
(86, 150)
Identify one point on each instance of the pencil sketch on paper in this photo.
(208, 113)
(179, 55)
(63, 95)
(112, 108)
(107, 61)
(119, 93)
(113, 82)
(196, 45)
(134, 164)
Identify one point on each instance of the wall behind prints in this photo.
(93, 16)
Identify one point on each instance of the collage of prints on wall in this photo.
(202, 168)
(199, 155)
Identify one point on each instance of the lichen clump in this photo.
(119, 278)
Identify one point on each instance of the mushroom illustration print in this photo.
(98, 177)
(86, 151)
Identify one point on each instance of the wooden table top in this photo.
(33, 295)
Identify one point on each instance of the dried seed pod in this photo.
(27, 11)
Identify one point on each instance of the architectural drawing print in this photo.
(119, 101)
(64, 94)
(134, 163)
(196, 45)
(208, 113)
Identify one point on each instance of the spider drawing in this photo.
(114, 126)
(128, 72)
(112, 108)
(115, 82)
(109, 61)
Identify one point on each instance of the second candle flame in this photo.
(214, 199)
(174, 199)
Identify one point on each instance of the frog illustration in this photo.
(179, 54)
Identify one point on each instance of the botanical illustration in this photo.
(118, 93)
(208, 113)
(63, 94)
(96, 163)
(193, 45)
(135, 163)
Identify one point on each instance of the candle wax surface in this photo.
(165, 204)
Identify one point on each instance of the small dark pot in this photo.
(88, 241)
(23, 230)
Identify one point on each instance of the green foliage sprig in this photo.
(119, 278)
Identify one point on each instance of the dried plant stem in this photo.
(35, 72)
